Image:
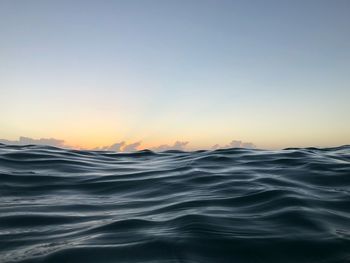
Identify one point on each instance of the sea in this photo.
(226, 205)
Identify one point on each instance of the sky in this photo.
(153, 74)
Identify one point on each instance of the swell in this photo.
(227, 205)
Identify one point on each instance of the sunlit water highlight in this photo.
(230, 205)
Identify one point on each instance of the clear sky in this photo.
(92, 73)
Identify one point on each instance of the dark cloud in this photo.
(178, 145)
(42, 141)
(236, 144)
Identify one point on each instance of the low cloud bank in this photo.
(120, 147)
(42, 141)
(235, 144)
(123, 146)
(117, 147)
(178, 145)
(133, 147)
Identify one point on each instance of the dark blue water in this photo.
(232, 205)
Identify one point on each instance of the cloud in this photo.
(216, 146)
(42, 141)
(178, 145)
(236, 144)
(248, 145)
(131, 147)
(122, 146)
(116, 147)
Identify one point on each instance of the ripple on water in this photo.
(227, 205)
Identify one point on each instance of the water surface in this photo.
(230, 205)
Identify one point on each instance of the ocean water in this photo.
(229, 205)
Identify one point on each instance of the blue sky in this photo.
(275, 73)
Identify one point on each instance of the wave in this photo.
(226, 205)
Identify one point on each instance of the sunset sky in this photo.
(93, 73)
